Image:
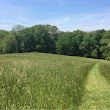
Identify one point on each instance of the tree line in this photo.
(49, 39)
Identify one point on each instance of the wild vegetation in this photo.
(49, 39)
(105, 69)
(42, 81)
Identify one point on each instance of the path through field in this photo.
(97, 91)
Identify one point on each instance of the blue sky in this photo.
(67, 15)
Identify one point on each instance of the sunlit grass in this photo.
(97, 91)
(42, 81)
(105, 69)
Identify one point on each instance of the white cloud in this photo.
(85, 22)
(22, 19)
(5, 26)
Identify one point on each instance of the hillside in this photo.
(46, 81)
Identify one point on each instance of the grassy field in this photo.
(42, 81)
(97, 90)
(105, 69)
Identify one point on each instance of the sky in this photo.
(67, 15)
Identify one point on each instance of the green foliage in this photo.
(49, 39)
(1, 47)
(28, 42)
(105, 45)
(17, 34)
(105, 69)
(63, 44)
(3, 33)
(87, 46)
(46, 37)
(68, 43)
(8, 44)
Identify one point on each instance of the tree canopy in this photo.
(49, 39)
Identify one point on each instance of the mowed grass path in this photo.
(97, 91)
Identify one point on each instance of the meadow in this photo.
(42, 81)
(105, 69)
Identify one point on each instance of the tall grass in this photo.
(105, 69)
(42, 81)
